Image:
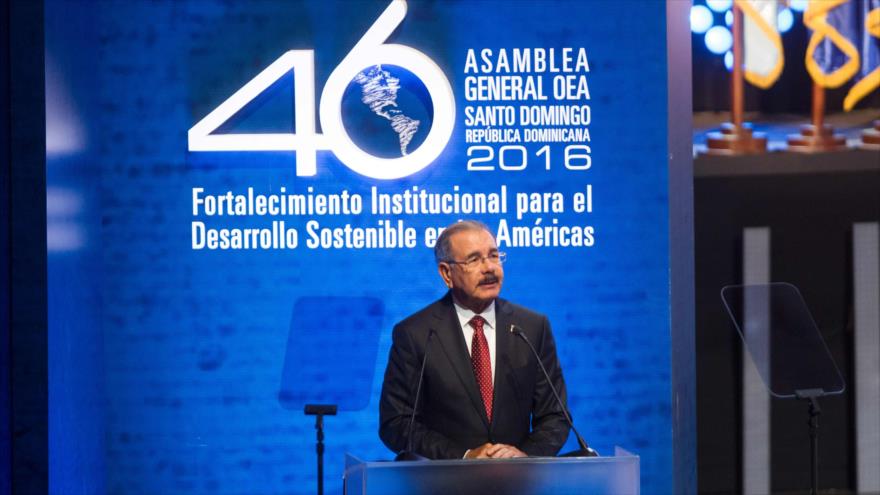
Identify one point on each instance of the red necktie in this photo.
(481, 363)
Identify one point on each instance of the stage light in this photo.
(728, 18)
(718, 39)
(701, 19)
(719, 5)
(784, 20)
(728, 60)
(798, 5)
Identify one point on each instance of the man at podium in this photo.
(482, 393)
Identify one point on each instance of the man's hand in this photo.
(503, 451)
(479, 452)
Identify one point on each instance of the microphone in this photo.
(408, 454)
(584, 451)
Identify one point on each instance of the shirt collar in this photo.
(465, 315)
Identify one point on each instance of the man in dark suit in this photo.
(483, 394)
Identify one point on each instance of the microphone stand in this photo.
(584, 450)
(408, 454)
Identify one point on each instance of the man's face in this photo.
(473, 286)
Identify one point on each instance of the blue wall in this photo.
(169, 362)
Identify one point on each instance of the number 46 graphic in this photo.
(370, 50)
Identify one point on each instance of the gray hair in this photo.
(442, 247)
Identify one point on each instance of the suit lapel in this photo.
(502, 328)
(451, 338)
(503, 341)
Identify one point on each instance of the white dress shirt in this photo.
(464, 318)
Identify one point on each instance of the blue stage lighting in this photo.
(719, 5)
(784, 20)
(701, 19)
(728, 60)
(719, 39)
(798, 5)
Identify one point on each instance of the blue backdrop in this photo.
(181, 369)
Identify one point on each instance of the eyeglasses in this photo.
(476, 260)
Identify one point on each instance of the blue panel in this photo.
(190, 350)
(76, 363)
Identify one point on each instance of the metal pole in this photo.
(818, 108)
(736, 82)
(319, 448)
(815, 411)
(319, 411)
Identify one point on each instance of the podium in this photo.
(618, 475)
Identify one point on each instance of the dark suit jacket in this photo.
(451, 418)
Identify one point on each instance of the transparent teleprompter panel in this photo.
(782, 339)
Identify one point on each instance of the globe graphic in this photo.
(387, 111)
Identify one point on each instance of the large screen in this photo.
(244, 197)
